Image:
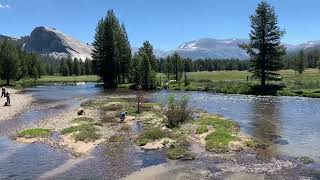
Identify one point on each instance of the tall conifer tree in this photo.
(265, 46)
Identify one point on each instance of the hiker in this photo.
(3, 92)
(122, 116)
(8, 98)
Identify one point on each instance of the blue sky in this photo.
(165, 23)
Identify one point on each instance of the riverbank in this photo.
(55, 79)
(19, 102)
(208, 147)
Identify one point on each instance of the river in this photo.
(290, 124)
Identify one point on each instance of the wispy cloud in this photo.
(4, 6)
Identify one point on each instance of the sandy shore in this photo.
(19, 103)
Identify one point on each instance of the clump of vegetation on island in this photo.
(306, 160)
(149, 135)
(180, 152)
(83, 132)
(83, 120)
(35, 133)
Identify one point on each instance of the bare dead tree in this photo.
(140, 97)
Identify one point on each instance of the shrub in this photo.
(37, 132)
(177, 111)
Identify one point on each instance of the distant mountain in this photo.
(13, 40)
(228, 48)
(213, 48)
(51, 42)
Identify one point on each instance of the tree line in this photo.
(16, 64)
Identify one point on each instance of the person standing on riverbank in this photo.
(8, 103)
(3, 92)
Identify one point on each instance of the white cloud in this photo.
(4, 6)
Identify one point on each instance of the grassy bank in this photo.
(53, 79)
(235, 82)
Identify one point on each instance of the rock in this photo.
(81, 112)
(49, 41)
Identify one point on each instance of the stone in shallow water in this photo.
(281, 142)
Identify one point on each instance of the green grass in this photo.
(83, 120)
(201, 129)
(33, 133)
(54, 79)
(83, 132)
(235, 82)
(218, 141)
(150, 135)
(224, 130)
(306, 160)
(180, 152)
(84, 78)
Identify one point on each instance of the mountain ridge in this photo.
(52, 42)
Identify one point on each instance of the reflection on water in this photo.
(265, 120)
(291, 124)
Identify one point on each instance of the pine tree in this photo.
(105, 51)
(147, 49)
(64, 68)
(76, 67)
(124, 53)
(265, 47)
(70, 66)
(9, 62)
(142, 72)
(177, 66)
(88, 67)
(300, 62)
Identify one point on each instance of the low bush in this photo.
(177, 111)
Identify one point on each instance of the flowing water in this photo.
(31, 161)
(290, 124)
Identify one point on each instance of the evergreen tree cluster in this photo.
(75, 67)
(16, 64)
(112, 52)
(144, 66)
(310, 59)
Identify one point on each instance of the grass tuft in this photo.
(180, 152)
(306, 160)
(202, 129)
(33, 133)
(149, 135)
(83, 120)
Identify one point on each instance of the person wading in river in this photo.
(3, 92)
